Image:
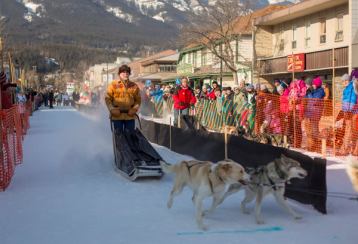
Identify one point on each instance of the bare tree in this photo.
(215, 28)
(2, 33)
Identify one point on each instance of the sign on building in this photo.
(296, 62)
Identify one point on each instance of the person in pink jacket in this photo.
(284, 91)
(298, 91)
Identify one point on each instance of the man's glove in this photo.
(132, 111)
(115, 112)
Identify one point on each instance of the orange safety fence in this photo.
(315, 125)
(12, 128)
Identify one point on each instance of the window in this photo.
(323, 31)
(167, 68)
(195, 58)
(339, 31)
(204, 57)
(281, 40)
(294, 35)
(308, 34)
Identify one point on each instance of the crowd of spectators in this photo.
(289, 108)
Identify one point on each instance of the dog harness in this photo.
(210, 171)
(275, 186)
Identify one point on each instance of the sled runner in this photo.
(134, 156)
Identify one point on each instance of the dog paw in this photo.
(169, 205)
(207, 212)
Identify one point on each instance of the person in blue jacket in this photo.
(313, 113)
(350, 112)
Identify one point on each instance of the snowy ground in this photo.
(67, 192)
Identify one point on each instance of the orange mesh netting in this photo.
(14, 122)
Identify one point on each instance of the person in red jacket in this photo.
(184, 98)
(212, 95)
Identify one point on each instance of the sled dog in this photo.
(269, 179)
(206, 179)
(352, 170)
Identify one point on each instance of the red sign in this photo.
(296, 62)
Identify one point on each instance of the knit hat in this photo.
(283, 84)
(354, 74)
(317, 82)
(345, 77)
(250, 87)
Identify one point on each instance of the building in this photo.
(102, 74)
(94, 75)
(201, 65)
(314, 37)
(155, 68)
(112, 73)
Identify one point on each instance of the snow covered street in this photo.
(66, 192)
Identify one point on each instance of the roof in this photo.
(173, 57)
(295, 11)
(243, 24)
(155, 56)
(158, 76)
(167, 59)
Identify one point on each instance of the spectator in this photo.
(184, 98)
(327, 104)
(276, 85)
(350, 111)
(59, 99)
(204, 92)
(251, 94)
(45, 98)
(227, 106)
(215, 88)
(284, 92)
(298, 91)
(274, 126)
(313, 114)
(51, 98)
(198, 92)
(240, 97)
(65, 99)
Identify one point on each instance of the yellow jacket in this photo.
(124, 96)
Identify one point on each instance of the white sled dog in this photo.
(269, 179)
(206, 179)
(352, 170)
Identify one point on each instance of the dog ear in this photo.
(226, 167)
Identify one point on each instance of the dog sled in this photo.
(134, 156)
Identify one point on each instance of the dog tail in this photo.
(167, 168)
(352, 171)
